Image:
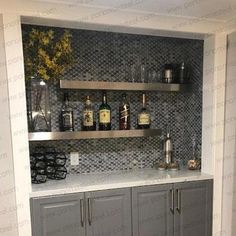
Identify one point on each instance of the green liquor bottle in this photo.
(104, 114)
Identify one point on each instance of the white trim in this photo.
(214, 79)
(110, 28)
(18, 120)
(8, 220)
(219, 126)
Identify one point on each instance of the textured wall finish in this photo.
(108, 57)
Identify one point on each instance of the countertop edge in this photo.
(129, 184)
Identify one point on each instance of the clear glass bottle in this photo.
(124, 113)
(39, 114)
(168, 146)
(88, 119)
(144, 117)
(67, 115)
(104, 114)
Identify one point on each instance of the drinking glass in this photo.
(143, 74)
(133, 73)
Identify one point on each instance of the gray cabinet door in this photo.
(109, 213)
(193, 215)
(58, 216)
(152, 210)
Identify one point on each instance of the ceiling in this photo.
(216, 10)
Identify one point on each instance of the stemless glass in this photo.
(143, 74)
(152, 76)
(133, 73)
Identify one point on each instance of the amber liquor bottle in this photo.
(144, 118)
(124, 114)
(88, 117)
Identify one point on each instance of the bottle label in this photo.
(124, 113)
(67, 119)
(144, 119)
(88, 118)
(104, 116)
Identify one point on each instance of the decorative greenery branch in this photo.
(45, 56)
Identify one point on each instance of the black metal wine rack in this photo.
(47, 163)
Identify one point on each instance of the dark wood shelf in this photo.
(46, 136)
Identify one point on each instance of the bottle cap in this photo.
(88, 101)
(168, 131)
(104, 96)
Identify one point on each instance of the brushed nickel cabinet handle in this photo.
(172, 201)
(89, 211)
(178, 208)
(82, 211)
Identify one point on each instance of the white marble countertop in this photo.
(112, 180)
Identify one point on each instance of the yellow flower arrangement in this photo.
(45, 56)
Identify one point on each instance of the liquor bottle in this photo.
(104, 114)
(124, 114)
(66, 116)
(88, 120)
(144, 118)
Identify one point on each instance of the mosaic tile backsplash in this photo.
(106, 56)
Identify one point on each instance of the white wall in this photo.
(229, 164)
(208, 105)
(110, 17)
(14, 168)
(14, 142)
(214, 78)
(8, 216)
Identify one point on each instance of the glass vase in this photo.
(39, 115)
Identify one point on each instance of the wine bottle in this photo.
(88, 120)
(124, 114)
(104, 114)
(144, 118)
(66, 115)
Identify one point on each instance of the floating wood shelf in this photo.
(46, 136)
(124, 86)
